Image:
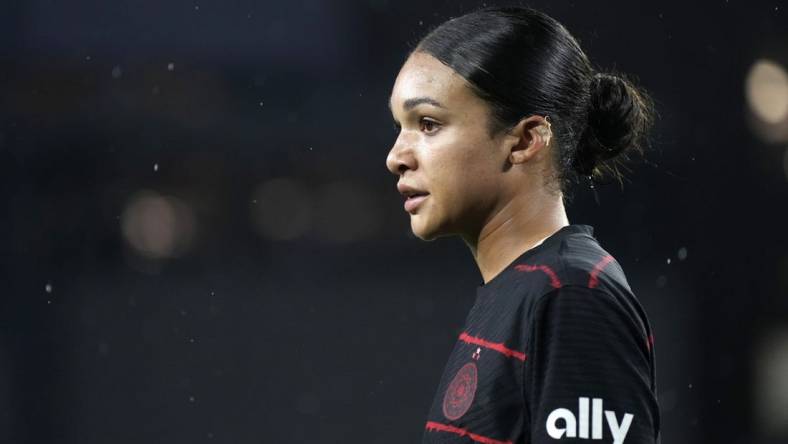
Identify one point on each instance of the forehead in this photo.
(423, 75)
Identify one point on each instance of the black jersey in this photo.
(556, 349)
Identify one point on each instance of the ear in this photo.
(531, 137)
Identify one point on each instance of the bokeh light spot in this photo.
(767, 91)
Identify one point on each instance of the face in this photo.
(444, 152)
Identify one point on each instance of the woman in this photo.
(499, 111)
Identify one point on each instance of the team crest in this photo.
(462, 389)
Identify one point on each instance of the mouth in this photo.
(413, 201)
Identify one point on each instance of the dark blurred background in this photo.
(201, 242)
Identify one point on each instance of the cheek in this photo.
(465, 175)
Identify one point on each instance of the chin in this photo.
(424, 230)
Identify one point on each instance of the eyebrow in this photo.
(412, 103)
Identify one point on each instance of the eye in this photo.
(428, 126)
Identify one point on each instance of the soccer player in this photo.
(499, 111)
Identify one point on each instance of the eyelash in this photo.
(422, 121)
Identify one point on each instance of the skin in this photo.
(491, 190)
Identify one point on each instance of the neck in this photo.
(521, 224)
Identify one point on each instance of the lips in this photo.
(413, 196)
(413, 202)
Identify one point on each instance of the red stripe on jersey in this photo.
(650, 341)
(593, 281)
(499, 347)
(549, 271)
(432, 425)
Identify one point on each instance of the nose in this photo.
(400, 158)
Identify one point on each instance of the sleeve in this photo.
(588, 375)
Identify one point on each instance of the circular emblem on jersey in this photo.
(459, 395)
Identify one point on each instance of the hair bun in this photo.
(619, 118)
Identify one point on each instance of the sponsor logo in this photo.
(578, 427)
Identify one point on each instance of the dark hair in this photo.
(523, 62)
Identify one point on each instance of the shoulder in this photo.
(575, 300)
(583, 312)
(578, 261)
(581, 281)
(579, 268)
